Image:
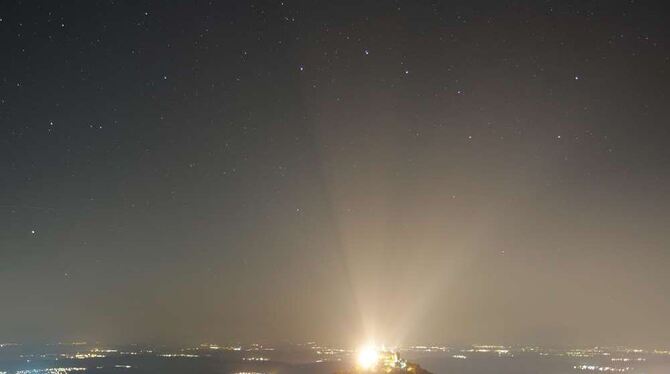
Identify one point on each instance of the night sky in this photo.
(413, 172)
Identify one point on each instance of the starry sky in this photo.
(413, 172)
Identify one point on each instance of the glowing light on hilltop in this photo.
(367, 358)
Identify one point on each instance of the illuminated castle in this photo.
(372, 361)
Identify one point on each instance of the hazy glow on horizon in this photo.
(399, 172)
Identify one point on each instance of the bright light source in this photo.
(368, 357)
